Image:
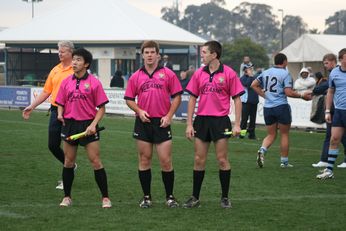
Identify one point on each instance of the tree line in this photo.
(247, 20)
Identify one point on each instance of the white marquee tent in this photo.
(101, 21)
(108, 28)
(309, 49)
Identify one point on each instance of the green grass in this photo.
(263, 199)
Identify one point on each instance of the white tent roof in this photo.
(312, 47)
(101, 21)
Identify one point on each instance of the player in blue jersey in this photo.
(337, 94)
(275, 85)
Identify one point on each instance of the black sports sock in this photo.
(168, 181)
(101, 180)
(145, 179)
(67, 178)
(225, 178)
(198, 177)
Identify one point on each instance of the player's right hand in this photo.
(328, 118)
(190, 132)
(61, 119)
(144, 116)
(26, 112)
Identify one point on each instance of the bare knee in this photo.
(144, 161)
(69, 162)
(223, 163)
(166, 165)
(334, 142)
(96, 163)
(199, 162)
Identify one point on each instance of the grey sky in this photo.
(313, 12)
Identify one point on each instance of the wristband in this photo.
(327, 111)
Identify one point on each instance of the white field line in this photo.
(11, 215)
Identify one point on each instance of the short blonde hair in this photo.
(67, 44)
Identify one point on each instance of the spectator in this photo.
(304, 81)
(319, 78)
(249, 103)
(117, 80)
(166, 62)
(190, 71)
(183, 79)
(246, 61)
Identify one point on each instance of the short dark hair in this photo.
(329, 57)
(87, 56)
(318, 75)
(150, 44)
(280, 58)
(214, 47)
(342, 52)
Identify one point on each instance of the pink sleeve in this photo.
(236, 88)
(130, 92)
(193, 86)
(100, 95)
(175, 86)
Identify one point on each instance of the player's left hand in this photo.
(165, 121)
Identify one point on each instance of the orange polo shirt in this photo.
(53, 82)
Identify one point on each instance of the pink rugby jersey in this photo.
(153, 91)
(214, 90)
(80, 97)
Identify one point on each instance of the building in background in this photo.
(113, 32)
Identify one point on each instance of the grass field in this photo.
(263, 199)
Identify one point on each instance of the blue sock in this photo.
(284, 160)
(263, 150)
(332, 155)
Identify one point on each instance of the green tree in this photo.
(208, 20)
(247, 20)
(294, 27)
(234, 52)
(257, 22)
(336, 24)
(171, 14)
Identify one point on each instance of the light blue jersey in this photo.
(274, 81)
(337, 81)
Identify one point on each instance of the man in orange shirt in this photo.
(51, 88)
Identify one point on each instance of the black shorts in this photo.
(73, 127)
(280, 114)
(151, 132)
(212, 128)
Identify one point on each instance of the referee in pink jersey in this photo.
(158, 92)
(214, 85)
(81, 105)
